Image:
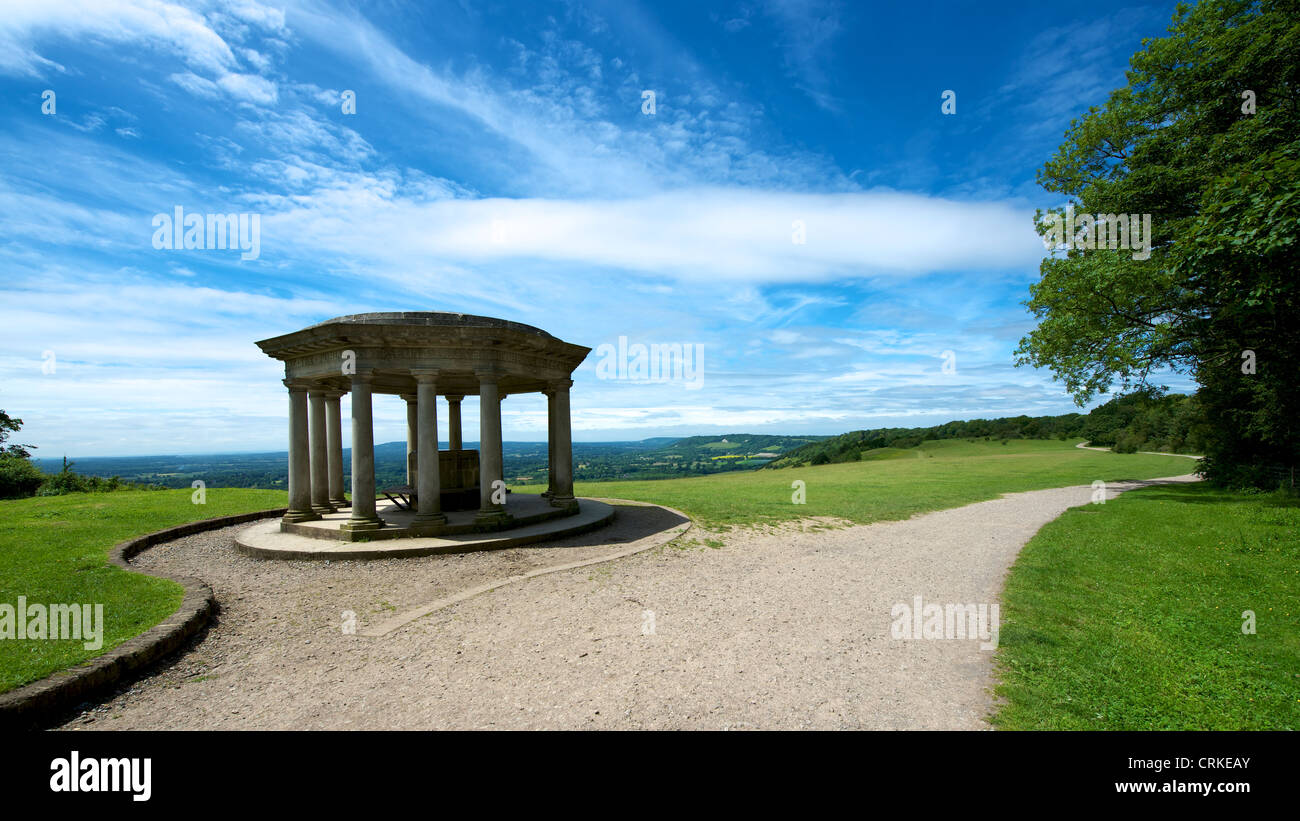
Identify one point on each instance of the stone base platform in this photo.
(520, 509)
(532, 520)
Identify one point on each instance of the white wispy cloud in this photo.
(573, 117)
(741, 235)
(182, 33)
(808, 30)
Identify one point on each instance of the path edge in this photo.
(996, 702)
(37, 702)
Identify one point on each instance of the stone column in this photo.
(429, 513)
(550, 444)
(562, 489)
(320, 469)
(364, 518)
(334, 443)
(412, 436)
(489, 450)
(453, 423)
(299, 457)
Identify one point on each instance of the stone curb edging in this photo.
(34, 704)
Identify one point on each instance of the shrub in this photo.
(1126, 443)
(65, 481)
(18, 477)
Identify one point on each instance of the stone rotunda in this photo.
(420, 356)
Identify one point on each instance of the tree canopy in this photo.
(10, 425)
(1205, 138)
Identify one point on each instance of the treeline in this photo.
(1146, 421)
(20, 478)
(1139, 421)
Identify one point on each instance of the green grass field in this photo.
(933, 476)
(1128, 616)
(55, 550)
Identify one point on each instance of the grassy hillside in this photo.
(932, 476)
(55, 550)
(1137, 421)
(1128, 615)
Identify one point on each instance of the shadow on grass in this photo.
(1203, 494)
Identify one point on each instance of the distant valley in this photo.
(525, 462)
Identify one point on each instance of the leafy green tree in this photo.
(1247, 243)
(10, 425)
(1205, 138)
(18, 476)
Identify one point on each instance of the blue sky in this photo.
(501, 161)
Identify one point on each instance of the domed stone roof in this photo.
(391, 345)
(432, 319)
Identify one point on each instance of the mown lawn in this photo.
(55, 550)
(934, 476)
(1129, 616)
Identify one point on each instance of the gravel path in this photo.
(1087, 446)
(783, 629)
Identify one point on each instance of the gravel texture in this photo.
(786, 628)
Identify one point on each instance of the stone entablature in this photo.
(458, 346)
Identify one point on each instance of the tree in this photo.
(10, 425)
(1250, 372)
(1204, 138)
(18, 476)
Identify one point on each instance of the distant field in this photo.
(55, 550)
(881, 454)
(1128, 616)
(935, 475)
